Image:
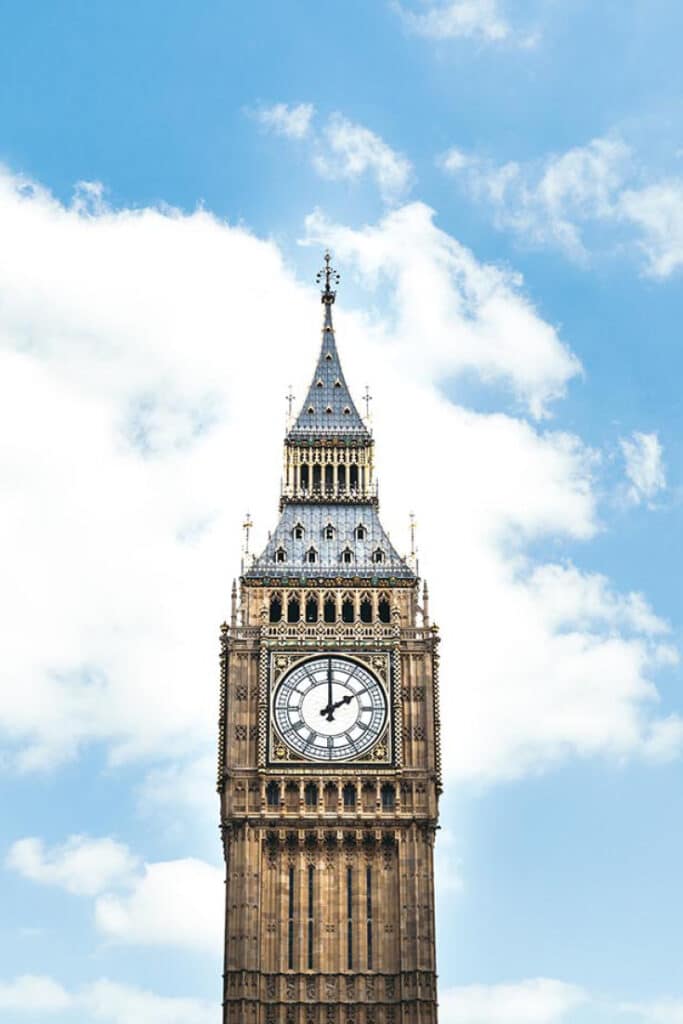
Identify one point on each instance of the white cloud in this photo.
(663, 1011)
(174, 903)
(464, 19)
(343, 150)
(123, 1004)
(546, 202)
(350, 150)
(293, 122)
(80, 865)
(658, 211)
(536, 1001)
(33, 993)
(135, 345)
(561, 199)
(644, 466)
(103, 1000)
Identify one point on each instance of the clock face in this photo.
(330, 709)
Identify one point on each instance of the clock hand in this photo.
(331, 708)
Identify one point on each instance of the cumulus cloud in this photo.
(351, 150)
(33, 993)
(81, 865)
(464, 19)
(580, 200)
(293, 122)
(174, 903)
(536, 1001)
(643, 457)
(135, 345)
(103, 1000)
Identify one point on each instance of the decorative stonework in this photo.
(329, 880)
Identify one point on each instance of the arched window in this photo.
(330, 797)
(319, 384)
(328, 410)
(368, 797)
(388, 797)
(311, 794)
(312, 608)
(292, 796)
(316, 478)
(347, 609)
(378, 555)
(347, 556)
(337, 383)
(347, 411)
(329, 477)
(311, 555)
(328, 357)
(330, 609)
(341, 478)
(349, 795)
(298, 531)
(384, 610)
(293, 610)
(303, 477)
(275, 608)
(365, 609)
(353, 478)
(280, 555)
(311, 411)
(273, 794)
(328, 532)
(361, 532)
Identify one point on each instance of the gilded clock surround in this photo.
(329, 865)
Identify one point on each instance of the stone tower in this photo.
(329, 768)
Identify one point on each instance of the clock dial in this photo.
(330, 709)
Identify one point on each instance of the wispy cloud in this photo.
(464, 19)
(580, 201)
(645, 470)
(342, 150)
(350, 150)
(534, 1001)
(292, 122)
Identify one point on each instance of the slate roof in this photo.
(329, 561)
(329, 410)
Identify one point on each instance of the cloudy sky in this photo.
(501, 182)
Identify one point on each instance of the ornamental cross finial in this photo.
(290, 396)
(367, 398)
(330, 276)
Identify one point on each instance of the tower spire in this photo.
(328, 410)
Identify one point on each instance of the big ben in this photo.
(329, 766)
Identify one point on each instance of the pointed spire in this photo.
(328, 410)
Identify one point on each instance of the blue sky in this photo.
(502, 185)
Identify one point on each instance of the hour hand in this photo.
(328, 712)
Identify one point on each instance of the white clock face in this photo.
(330, 709)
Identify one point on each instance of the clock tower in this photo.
(328, 765)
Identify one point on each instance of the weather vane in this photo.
(330, 276)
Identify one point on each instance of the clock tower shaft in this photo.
(329, 765)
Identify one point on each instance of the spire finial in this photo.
(330, 276)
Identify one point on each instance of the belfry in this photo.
(328, 763)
